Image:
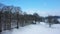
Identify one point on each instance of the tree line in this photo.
(12, 13)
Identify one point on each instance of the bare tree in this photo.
(50, 20)
(0, 22)
(18, 12)
(36, 17)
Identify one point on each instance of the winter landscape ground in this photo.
(41, 28)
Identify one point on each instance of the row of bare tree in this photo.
(7, 15)
(52, 20)
(11, 13)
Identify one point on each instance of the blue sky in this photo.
(42, 7)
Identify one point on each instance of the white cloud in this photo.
(44, 12)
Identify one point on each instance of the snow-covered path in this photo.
(35, 29)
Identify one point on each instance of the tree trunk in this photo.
(0, 24)
(17, 21)
(49, 25)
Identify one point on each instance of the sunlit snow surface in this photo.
(35, 29)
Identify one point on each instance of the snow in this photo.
(59, 20)
(41, 28)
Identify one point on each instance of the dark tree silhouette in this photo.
(49, 20)
(0, 22)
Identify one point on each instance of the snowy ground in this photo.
(35, 29)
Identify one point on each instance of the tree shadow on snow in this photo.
(55, 27)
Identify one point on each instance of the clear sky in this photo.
(42, 7)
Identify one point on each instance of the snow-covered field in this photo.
(35, 29)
